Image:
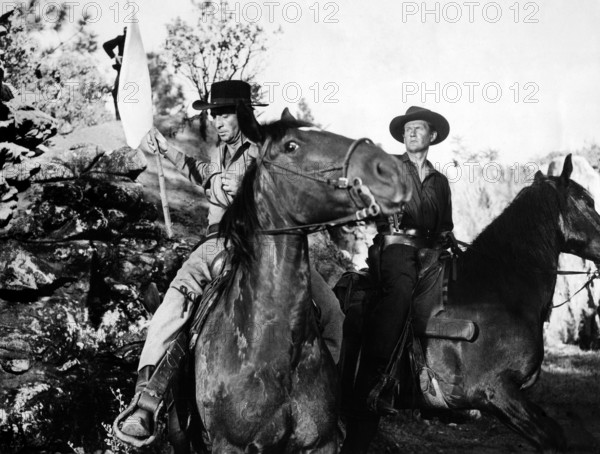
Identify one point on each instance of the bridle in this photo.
(357, 192)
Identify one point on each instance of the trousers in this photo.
(383, 323)
(175, 309)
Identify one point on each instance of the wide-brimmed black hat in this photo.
(227, 93)
(440, 124)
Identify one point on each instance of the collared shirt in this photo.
(430, 207)
(224, 158)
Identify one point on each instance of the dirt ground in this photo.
(568, 389)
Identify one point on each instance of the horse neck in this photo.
(279, 281)
(521, 244)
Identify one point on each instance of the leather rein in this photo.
(355, 187)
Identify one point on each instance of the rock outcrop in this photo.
(78, 249)
(25, 126)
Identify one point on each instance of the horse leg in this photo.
(361, 424)
(523, 416)
(351, 344)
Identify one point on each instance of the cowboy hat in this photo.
(440, 124)
(227, 93)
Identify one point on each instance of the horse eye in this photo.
(291, 146)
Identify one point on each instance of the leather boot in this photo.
(139, 423)
(384, 405)
(383, 395)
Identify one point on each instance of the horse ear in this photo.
(567, 169)
(248, 123)
(539, 176)
(286, 115)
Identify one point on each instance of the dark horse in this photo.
(265, 382)
(505, 285)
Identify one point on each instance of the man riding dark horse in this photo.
(220, 177)
(425, 222)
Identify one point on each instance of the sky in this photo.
(521, 78)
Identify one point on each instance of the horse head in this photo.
(307, 168)
(579, 222)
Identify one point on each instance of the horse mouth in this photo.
(392, 204)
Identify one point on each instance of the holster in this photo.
(407, 240)
(382, 241)
(374, 259)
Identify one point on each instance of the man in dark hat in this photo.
(220, 178)
(221, 175)
(109, 47)
(425, 222)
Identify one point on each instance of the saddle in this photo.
(357, 290)
(430, 297)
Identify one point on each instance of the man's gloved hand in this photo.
(151, 140)
(231, 182)
(217, 194)
(447, 241)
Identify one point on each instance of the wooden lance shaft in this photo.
(163, 190)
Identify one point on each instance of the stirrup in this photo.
(385, 384)
(134, 441)
(137, 423)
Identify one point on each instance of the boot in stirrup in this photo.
(382, 397)
(139, 423)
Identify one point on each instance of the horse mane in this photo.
(240, 221)
(524, 234)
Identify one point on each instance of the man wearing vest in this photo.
(220, 177)
(425, 222)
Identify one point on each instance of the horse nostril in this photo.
(382, 171)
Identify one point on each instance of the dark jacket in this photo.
(430, 207)
(110, 45)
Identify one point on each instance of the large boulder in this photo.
(69, 193)
(124, 161)
(27, 126)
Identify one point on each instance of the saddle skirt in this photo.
(430, 297)
(356, 290)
